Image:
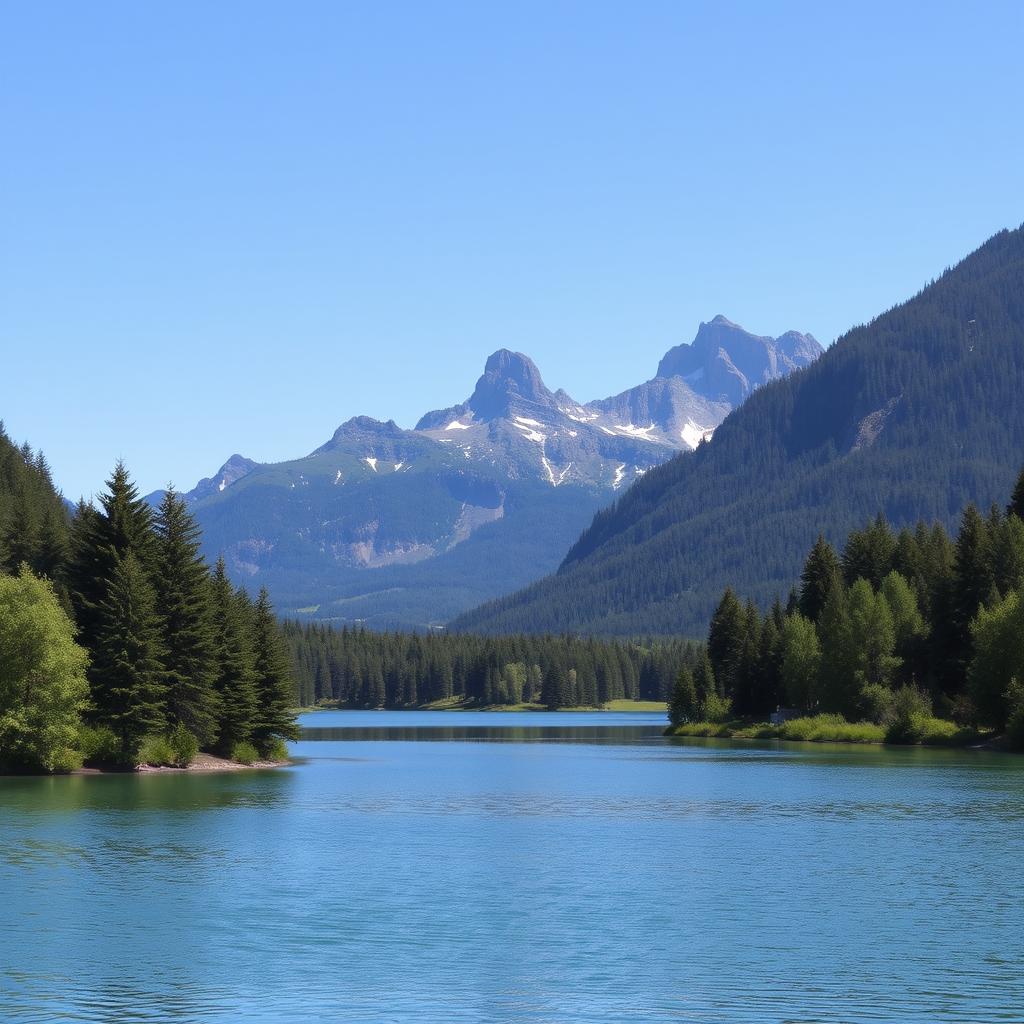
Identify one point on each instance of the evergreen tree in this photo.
(682, 707)
(704, 679)
(971, 587)
(838, 683)
(274, 698)
(233, 669)
(820, 574)
(869, 554)
(727, 639)
(99, 540)
(182, 605)
(128, 688)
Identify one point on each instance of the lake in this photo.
(448, 867)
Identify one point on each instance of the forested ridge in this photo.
(916, 414)
(896, 627)
(118, 645)
(363, 669)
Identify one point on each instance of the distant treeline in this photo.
(895, 627)
(117, 643)
(362, 669)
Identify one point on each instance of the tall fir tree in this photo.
(727, 639)
(182, 604)
(234, 677)
(274, 697)
(128, 689)
(820, 573)
(100, 538)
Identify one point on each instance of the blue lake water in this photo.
(520, 867)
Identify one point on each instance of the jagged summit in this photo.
(725, 362)
(485, 495)
(508, 377)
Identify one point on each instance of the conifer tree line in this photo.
(363, 669)
(173, 658)
(914, 619)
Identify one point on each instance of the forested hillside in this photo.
(33, 517)
(897, 627)
(915, 415)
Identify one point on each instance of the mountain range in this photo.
(913, 415)
(409, 528)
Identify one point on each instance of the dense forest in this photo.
(362, 669)
(118, 646)
(891, 629)
(915, 414)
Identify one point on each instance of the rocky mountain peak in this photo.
(726, 362)
(507, 376)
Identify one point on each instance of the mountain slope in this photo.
(411, 527)
(915, 414)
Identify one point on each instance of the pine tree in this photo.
(869, 554)
(233, 669)
(727, 641)
(99, 539)
(182, 604)
(704, 679)
(839, 686)
(682, 706)
(820, 573)
(274, 699)
(128, 688)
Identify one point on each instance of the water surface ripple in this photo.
(534, 868)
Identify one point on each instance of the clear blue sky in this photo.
(230, 226)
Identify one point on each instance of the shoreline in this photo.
(203, 764)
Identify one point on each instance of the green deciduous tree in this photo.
(801, 662)
(998, 658)
(43, 688)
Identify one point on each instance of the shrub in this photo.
(910, 716)
(276, 750)
(938, 732)
(712, 729)
(99, 745)
(831, 729)
(157, 752)
(717, 709)
(244, 753)
(65, 760)
(184, 745)
(876, 703)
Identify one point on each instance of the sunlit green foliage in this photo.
(43, 688)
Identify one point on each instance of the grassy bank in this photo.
(924, 731)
